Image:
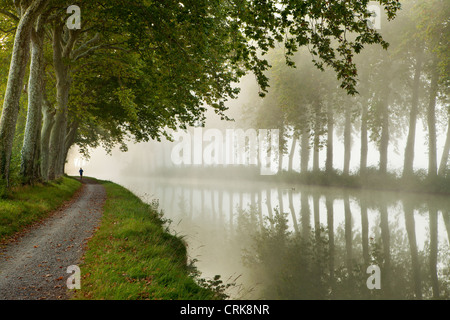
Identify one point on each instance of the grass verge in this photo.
(25, 205)
(132, 256)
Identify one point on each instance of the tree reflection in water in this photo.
(328, 262)
(314, 243)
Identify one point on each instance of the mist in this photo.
(302, 234)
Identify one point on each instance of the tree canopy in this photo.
(142, 68)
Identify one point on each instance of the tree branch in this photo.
(7, 31)
(93, 49)
(9, 14)
(85, 46)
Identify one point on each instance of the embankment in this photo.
(133, 256)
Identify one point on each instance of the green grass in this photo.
(132, 256)
(25, 205)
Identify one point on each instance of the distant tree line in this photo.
(396, 88)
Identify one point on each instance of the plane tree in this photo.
(191, 53)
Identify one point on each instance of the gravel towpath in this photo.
(34, 265)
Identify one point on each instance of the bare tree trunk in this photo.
(292, 153)
(384, 141)
(68, 142)
(35, 99)
(330, 132)
(347, 140)
(47, 125)
(37, 153)
(56, 143)
(409, 150)
(316, 151)
(364, 140)
(60, 56)
(19, 59)
(431, 119)
(281, 150)
(304, 161)
(317, 132)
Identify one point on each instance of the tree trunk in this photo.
(35, 98)
(37, 154)
(292, 153)
(47, 125)
(364, 140)
(63, 81)
(281, 150)
(317, 132)
(56, 143)
(409, 150)
(347, 140)
(330, 132)
(19, 59)
(384, 141)
(431, 119)
(443, 167)
(316, 151)
(304, 161)
(68, 142)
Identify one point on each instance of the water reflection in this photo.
(284, 242)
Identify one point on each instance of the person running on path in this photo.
(81, 173)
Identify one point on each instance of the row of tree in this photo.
(140, 69)
(396, 88)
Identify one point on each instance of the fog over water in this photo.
(230, 223)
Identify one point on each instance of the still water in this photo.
(274, 241)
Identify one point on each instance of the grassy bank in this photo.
(133, 256)
(24, 205)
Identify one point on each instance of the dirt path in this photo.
(34, 266)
